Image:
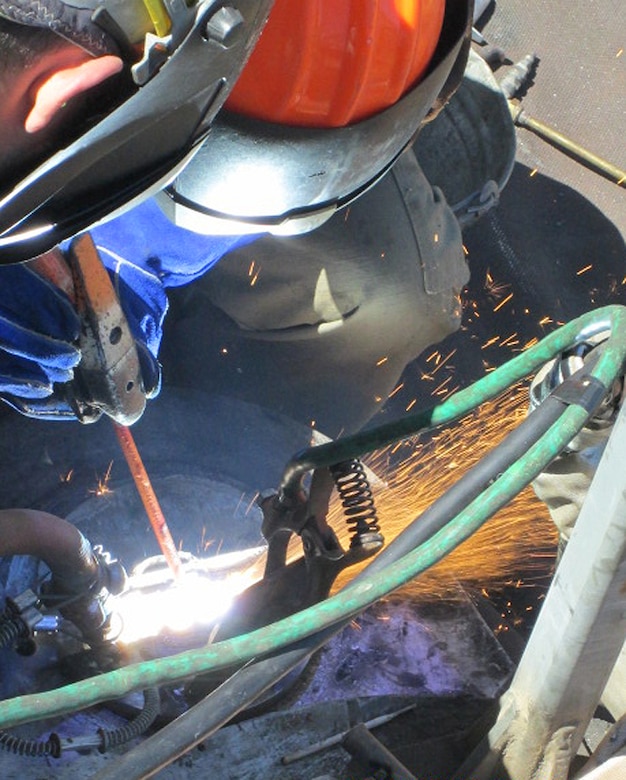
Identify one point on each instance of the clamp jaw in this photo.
(289, 586)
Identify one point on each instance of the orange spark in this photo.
(503, 302)
(490, 342)
(396, 390)
(439, 389)
(102, 486)
(494, 289)
(584, 270)
(520, 532)
(444, 361)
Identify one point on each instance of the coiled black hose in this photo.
(109, 738)
(11, 628)
(137, 726)
(35, 748)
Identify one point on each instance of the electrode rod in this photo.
(148, 498)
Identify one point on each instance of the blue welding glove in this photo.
(144, 254)
(39, 328)
(157, 255)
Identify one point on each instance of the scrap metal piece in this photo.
(364, 746)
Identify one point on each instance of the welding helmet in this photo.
(259, 168)
(334, 91)
(184, 57)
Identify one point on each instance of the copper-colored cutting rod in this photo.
(589, 159)
(148, 498)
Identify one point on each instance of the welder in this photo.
(112, 118)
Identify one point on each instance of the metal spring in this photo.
(357, 500)
(35, 748)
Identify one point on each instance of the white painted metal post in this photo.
(574, 645)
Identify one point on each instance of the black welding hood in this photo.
(229, 174)
(193, 53)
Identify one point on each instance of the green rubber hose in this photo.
(357, 597)
(458, 405)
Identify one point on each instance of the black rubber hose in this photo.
(34, 748)
(10, 629)
(60, 544)
(250, 682)
(110, 738)
(76, 572)
(137, 726)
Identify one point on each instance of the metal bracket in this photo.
(108, 378)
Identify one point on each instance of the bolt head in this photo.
(224, 26)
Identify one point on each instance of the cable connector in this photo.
(20, 618)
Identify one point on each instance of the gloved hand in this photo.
(39, 330)
(144, 253)
(564, 483)
(552, 374)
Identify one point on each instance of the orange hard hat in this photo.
(332, 94)
(329, 63)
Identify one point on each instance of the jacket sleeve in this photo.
(145, 238)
